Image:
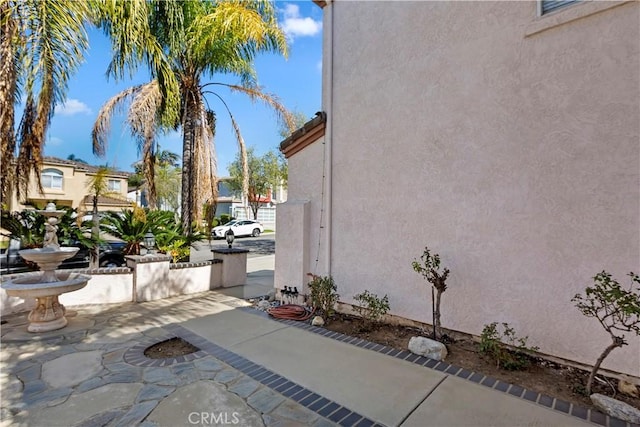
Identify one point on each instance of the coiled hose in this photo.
(291, 312)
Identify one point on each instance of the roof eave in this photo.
(306, 135)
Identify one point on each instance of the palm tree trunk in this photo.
(95, 235)
(187, 167)
(189, 125)
(7, 90)
(149, 173)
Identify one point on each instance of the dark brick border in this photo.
(549, 402)
(322, 406)
(135, 355)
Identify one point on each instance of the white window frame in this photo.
(112, 187)
(52, 174)
(561, 7)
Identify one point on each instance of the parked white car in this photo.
(245, 227)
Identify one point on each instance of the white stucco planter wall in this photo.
(233, 267)
(195, 279)
(155, 278)
(302, 248)
(109, 288)
(292, 266)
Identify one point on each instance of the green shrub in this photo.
(616, 309)
(492, 343)
(224, 218)
(178, 249)
(323, 294)
(370, 307)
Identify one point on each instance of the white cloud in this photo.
(295, 25)
(72, 107)
(319, 65)
(54, 140)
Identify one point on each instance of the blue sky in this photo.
(296, 81)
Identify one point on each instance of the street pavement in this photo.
(257, 247)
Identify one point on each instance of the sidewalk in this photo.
(250, 370)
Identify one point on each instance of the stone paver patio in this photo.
(78, 376)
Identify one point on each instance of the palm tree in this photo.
(168, 158)
(168, 187)
(42, 43)
(199, 39)
(98, 187)
(73, 158)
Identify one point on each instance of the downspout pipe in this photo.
(328, 83)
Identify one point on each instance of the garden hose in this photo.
(291, 312)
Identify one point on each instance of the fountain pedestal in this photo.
(48, 315)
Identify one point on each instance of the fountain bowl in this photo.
(29, 285)
(48, 258)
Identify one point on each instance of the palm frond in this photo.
(49, 40)
(270, 100)
(241, 146)
(249, 24)
(8, 95)
(133, 42)
(102, 125)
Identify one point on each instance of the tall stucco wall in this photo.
(515, 156)
(298, 252)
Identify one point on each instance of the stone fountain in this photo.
(47, 286)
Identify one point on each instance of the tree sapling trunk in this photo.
(429, 270)
(614, 307)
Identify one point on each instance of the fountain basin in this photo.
(48, 314)
(48, 259)
(29, 285)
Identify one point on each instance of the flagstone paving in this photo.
(78, 376)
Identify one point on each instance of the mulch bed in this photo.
(560, 381)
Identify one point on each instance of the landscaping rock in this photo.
(429, 348)
(625, 387)
(264, 304)
(272, 295)
(615, 408)
(317, 321)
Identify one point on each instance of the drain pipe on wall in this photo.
(328, 83)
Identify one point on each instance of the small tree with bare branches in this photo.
(616, 309)
(429, 269)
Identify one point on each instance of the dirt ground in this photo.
(173, 347)
(562, 382)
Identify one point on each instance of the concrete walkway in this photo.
(249, 370)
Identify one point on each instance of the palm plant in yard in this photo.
(98, 187)
(195, 40)
(129, 225)
(42, 43)
(28, 227)
(172, 240)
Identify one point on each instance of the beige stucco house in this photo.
(65, 182)
(504, 138)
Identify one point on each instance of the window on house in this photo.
(113, 185)
(52, 179)
(551, 5)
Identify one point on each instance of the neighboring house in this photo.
(503, 138)
(227, 198)
(65, 182)
(234, 205)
